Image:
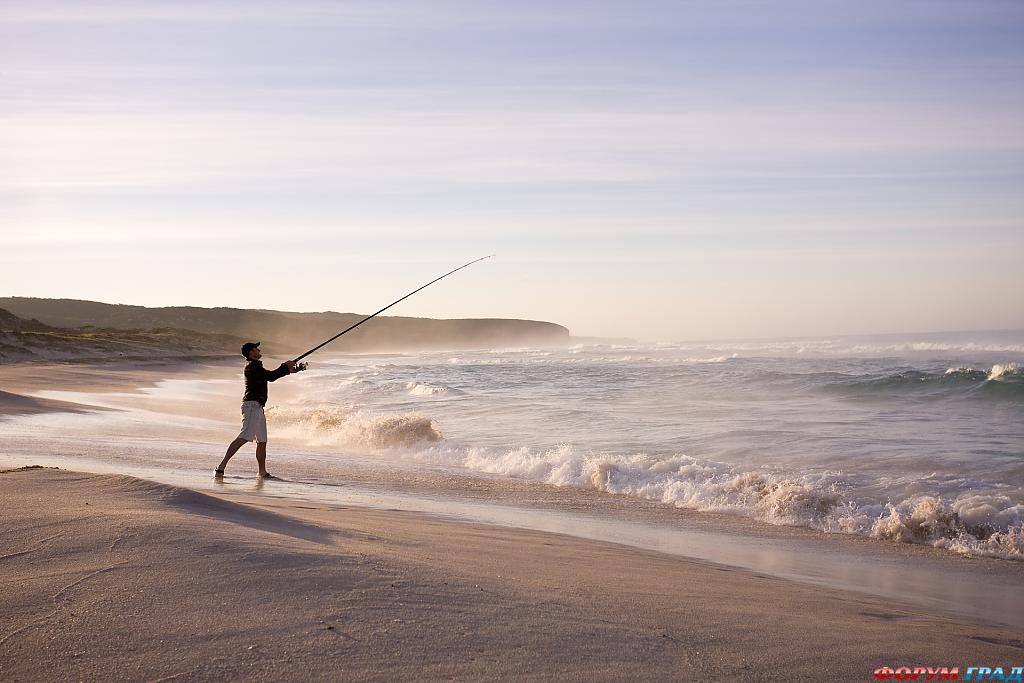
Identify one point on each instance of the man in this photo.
(254, 421)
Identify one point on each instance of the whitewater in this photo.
(915, 440)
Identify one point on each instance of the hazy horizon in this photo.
(713, 170)
(903, 335)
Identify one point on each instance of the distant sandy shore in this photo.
(106, 577)
(19, 380)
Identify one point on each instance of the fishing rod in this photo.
(345, 331)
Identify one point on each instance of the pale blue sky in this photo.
(667, 170)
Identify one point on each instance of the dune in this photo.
(110, 577)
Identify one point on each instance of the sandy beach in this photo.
(115, 578)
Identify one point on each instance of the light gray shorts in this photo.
(254, 422)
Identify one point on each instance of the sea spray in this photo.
(351, 428)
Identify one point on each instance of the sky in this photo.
(652, 169)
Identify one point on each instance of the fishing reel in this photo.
(299, 367)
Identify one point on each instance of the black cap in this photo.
(247, 347)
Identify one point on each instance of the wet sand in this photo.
(17, 404)
(18, 380)
(34, 388)
(106, 576)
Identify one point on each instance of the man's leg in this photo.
(261, 457)
(232, 449)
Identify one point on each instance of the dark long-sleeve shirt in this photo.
(256, 378)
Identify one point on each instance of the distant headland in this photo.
(70, 328)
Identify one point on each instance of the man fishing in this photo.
(254, 420)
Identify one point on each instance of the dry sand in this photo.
(112, 578)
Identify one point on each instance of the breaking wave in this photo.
(977, 525)
(353, 428)
(424, 389)
(368, 384)
(1001, 371)
(1000, 381)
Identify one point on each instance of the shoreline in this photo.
(491, 499)
(102, 375)
(912, 577)
(150, 580)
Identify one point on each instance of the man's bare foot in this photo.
(267, 475)
(218, 474)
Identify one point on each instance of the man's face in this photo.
(255, 354)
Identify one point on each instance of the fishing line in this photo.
(346, 331)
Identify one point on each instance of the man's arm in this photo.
(271, 375)
(283, 369)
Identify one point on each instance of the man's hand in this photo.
(291, 365)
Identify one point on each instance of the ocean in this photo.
(915, 439)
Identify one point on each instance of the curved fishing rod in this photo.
(319, 346)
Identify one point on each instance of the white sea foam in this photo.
(334, 426)
(424, 389)
(999, 371)
(716, 359)
(988, 525)
(679, 480)
(1007, 544)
